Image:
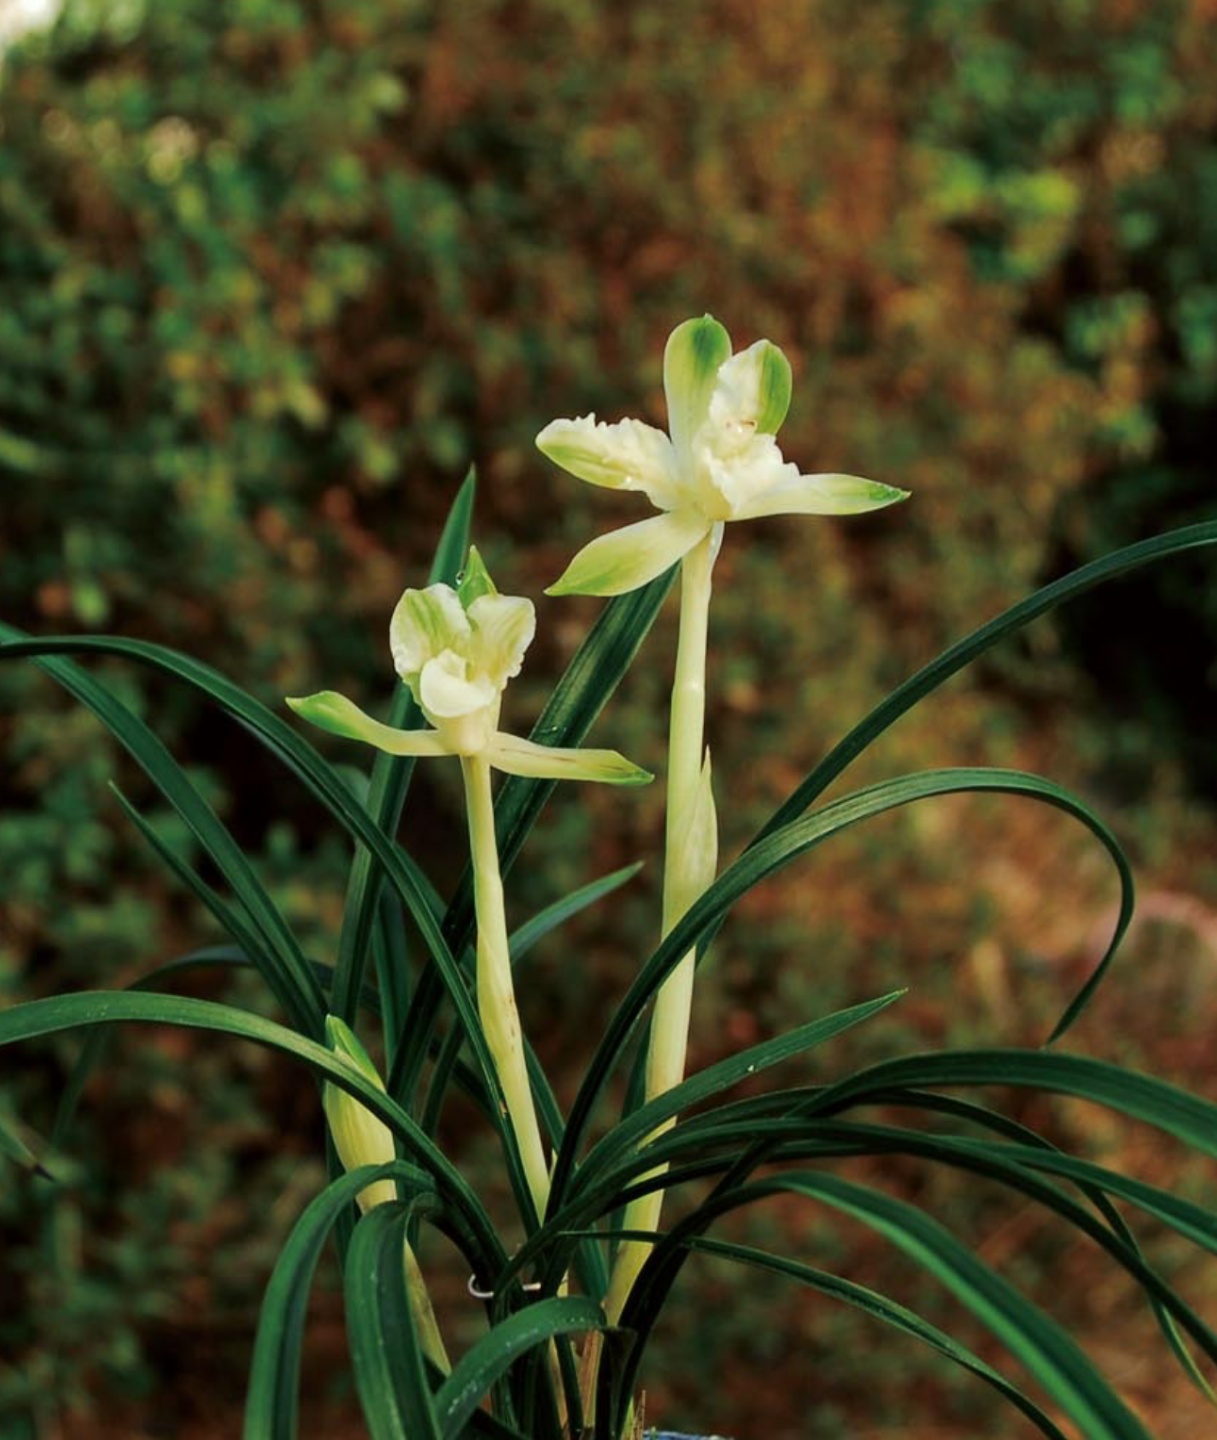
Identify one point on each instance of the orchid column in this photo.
(456, 650)
(720, 462)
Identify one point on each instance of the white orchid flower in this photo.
(720, 461)
(456, 650)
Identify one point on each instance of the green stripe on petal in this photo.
(333, 712)
(775, 388)
(691, 360)
(752, 391)
(627, 558)
(515, 756)
(820, 495)
(425, 623)
(503, 628)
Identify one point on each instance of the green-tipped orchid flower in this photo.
(719, 462)
(456, 650)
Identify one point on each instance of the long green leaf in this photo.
(84, 1009)
(1188, 1117)
(390, 782)
(547, 920)
(283, 964)
(890, 1312)
(1044, 1347)
(960, 655)
(271, 1405)
(768, 856)
(495, 1353)
(623, 1138)
(390, 1371)
(323, 782)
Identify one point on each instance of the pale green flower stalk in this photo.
(456, 650)
(361, 1138)
(720, 462)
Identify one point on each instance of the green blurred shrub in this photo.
(272, 274)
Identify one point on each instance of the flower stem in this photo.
(495, 991)
(683, 881)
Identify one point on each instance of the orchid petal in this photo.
(820, 495)
(515, 756)
(627, 455)
(752, 389)
(692, 358)
(333, 712)
(447, 690)
(625, 559)
(424, 624)
(503, 627)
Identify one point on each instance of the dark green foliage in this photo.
(271, 275)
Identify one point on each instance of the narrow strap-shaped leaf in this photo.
(1047, 1350)
(1178, 1112)
(890, 1312)
(390, 782)
(793, 1138)
(293, 982)
(391, 954)
(963, 652)
(271, 1405)
(323, 782)
(495, 1353)
(92, 1049)
(768, 856)
(87, 1008)
(625, 1136)
(252, 942)
(557, 913)
(386, 1353)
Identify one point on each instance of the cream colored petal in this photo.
(515, 756)
(627, 455)
(448, 688)
(731, 480)
(625, 559)
(695, 352)
(820, 495)
(425, 623)
(752, 389)
(333, 712)
(503, 627)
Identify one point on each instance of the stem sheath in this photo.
(683, 881)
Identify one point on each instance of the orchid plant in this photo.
(572, 1280)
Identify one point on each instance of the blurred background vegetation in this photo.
(273, 273)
